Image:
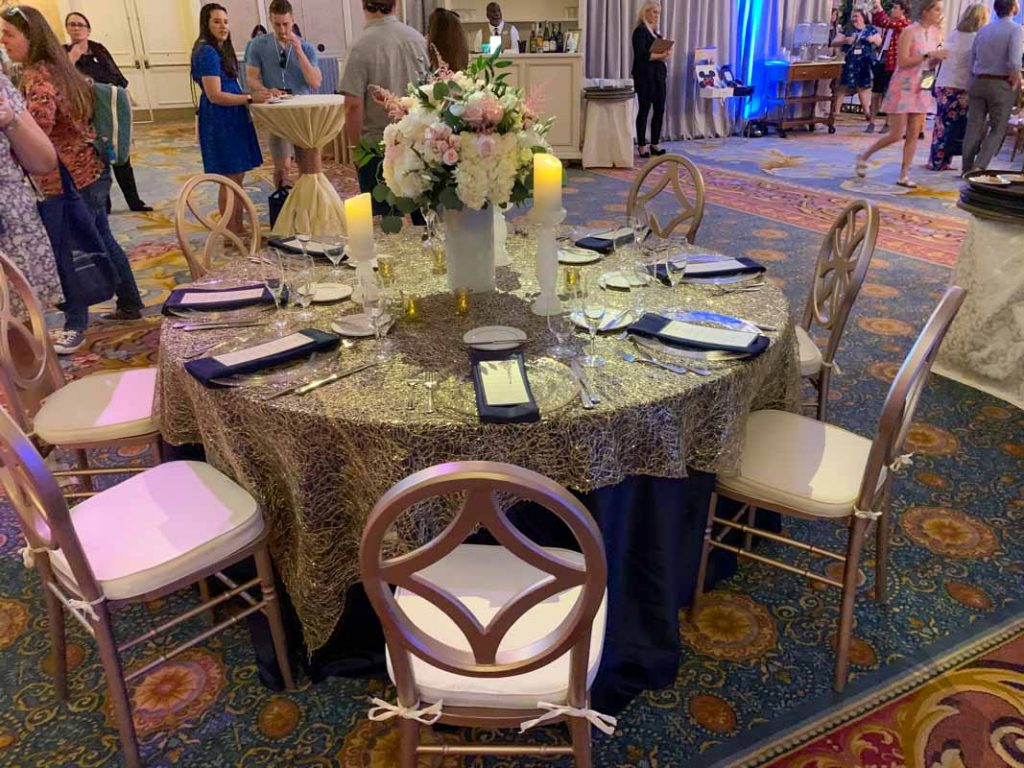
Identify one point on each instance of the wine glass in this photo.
(375, 303)
(274, 278)
(638, 280)
(334, 249)
(640, 222)
(302, 229)
(561, 326)
(304, 286)
(675, 268)
(594, 311)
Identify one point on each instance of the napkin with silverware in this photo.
(265, 355)
(219, 299)
(678, 333)
(503, 393)
(719, 268)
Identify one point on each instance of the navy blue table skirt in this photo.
(653, 529)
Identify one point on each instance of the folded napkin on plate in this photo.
(291, 245)
(721, 268)
(217, 299)
(606, 242)
(503, 394)
(261, 356)
(689, 335)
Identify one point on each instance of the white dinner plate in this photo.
(356, 326)
(325, 293)
(619, 281)
(994, 181)
(488, 337)
(573, 255)
(613, 320)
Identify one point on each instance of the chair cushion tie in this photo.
(866, 514)
(834, 365)
(86, 607)
(604, 723)
(383, 710)
(28, 554)
(901, 462)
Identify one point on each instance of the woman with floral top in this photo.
(61, 102)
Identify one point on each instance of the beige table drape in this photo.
(310, 123)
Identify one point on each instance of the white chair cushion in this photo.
(800, 463)
(810, 354)
(161, 526)
(485, 578)
(99, 408)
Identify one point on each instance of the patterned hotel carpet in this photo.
(763, 649)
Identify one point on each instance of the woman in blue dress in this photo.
(227, 138)
(859, 44)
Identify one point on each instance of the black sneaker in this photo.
(67, 342)
(121, 316)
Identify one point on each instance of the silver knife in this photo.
(215, 326)
(578, 370)
(307, 387)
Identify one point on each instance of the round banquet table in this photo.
(643, 461)
(310, 123)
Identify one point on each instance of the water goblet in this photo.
(561, 327)
(594, 311)
(334, 249)
(375, 302)
(274, 278)
(304, 287)
(675, 268)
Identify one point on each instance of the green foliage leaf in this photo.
(449, 198)
(406, 204)
(381, 193)
(391, 225)
(505, 64)
(441, 91)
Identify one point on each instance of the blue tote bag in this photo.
(83, 265)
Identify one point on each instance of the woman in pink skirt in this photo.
(909, 98)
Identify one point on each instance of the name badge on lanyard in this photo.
(858, 51)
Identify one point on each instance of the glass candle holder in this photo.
(573, 276)
(386, 270)
(440, 263)
(462, 301)
(411, 307)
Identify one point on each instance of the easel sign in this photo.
(708, 75)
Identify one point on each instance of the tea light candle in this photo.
(462, 301)
(359, 223)
(411, 306)
(547, 183)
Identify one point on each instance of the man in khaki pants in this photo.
(995, 67)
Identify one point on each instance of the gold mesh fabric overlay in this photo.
(318, 463)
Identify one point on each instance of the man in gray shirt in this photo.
(995, 67)
(387, 54)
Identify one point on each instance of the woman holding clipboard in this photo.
(649, 77)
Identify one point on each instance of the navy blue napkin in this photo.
(651, 326)
(750, 267)
(502, 414)
(292, 246)
(174, 301)
(207, 368)
(598, 244)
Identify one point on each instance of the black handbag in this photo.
(276, 202)
(83, 264)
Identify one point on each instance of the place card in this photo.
(708, 337)
(503, 382)
(220, 297)
(268, 349)
(696, 269)
(616, 234)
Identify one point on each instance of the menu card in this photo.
(222, 299)
(706, 336)
(262, 356)
(210, 297)
(503, 394)
(503, 383)
(275, 347)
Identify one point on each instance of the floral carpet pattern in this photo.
(760, 651)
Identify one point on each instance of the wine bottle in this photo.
(560, 40)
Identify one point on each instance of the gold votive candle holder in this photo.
(573, 278)
(462, 301)
(386, 269)
(440, 263)
(411, 307)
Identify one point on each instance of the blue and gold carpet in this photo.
(761, 653)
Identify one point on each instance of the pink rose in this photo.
(450, 157)
(474, 113)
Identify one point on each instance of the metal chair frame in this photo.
(200, 265)
(691, 212)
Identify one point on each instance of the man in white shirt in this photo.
(497, 27)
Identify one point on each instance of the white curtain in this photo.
(691, 24)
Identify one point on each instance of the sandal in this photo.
(903, 181)
(860, 167)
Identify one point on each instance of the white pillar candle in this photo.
(547, 183)
(359, 225)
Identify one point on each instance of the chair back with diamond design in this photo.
(480, 484)
(200, 264)
(29, 369)
(904, 394)
(677, 172)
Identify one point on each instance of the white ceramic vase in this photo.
(469, 249)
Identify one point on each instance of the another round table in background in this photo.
(309, 123)
(643, 461)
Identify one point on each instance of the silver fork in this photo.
(430, 382)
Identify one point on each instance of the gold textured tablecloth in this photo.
(319, 463)
(310, 123)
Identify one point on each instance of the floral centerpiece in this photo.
(462, 143)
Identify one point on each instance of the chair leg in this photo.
(82, 462)
(272, 611)
(824, 382)
(204, 597)
(882, 551)
(702, 571)
(409, 742)
(582, 749)
(158, 450)
(748, 538)
(58, 644)
(844, 637)
(118, 690)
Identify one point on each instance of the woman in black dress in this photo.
(649, 76)
(94, 61)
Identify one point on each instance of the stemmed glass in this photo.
(334, 249)
(304, 287)
(275, 279)
(561, 327)
(375, 303)
(302, 229)
(675, 268)
(592, 302)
